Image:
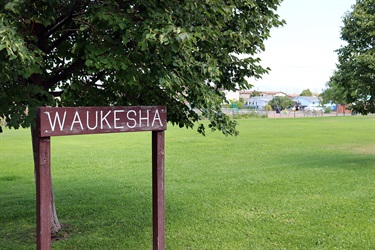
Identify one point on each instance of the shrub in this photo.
(249, 115)
(327, 110)
(267, 108)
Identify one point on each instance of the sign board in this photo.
(95, 120)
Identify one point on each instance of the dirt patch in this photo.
(369, 150)
(355, 149)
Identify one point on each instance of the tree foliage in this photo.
(255, 93)
(281, 102)
(334, 92)
(175, 53)
(356, 68)
(306, 92)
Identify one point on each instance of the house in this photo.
(307, 102)
(231, 95)
(273, 93)
(258, 101)
(261, 100)
(291, 96)
(245, 94)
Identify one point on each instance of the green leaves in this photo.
(356, 69)
(174, 53)
(281, 102)
(306, 92)
(10, 41)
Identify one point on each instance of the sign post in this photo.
(95, 120)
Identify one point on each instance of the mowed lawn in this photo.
(304, 183)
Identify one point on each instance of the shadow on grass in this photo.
(332, 160)
(95, 215)
(17, 221)
(10, 178)
(109, 214)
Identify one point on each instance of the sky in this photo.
(301, 54)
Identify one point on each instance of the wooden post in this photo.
(43, 193)
(158, 195)
(95, 120)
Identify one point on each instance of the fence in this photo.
(281, 114)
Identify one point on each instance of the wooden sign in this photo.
(94, 120)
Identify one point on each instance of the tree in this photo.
(91, 53)
(334, 93)
(255, 93)
(356, 61)
(306, 92)
(281, 102)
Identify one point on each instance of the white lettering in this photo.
(104, 118)
(88, 120)
(115, 118)
(57, 119)
(157, 117)
(144, 118)
(76, 119)
(131, 119)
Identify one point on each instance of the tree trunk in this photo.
(55, 224)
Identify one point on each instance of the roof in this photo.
(261, 98)
(308, 98)
(293, 95)
(268, 93)
(273, 92)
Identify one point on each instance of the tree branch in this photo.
(56, 43)
(61, 21)
(56, 93)
(98, 76)
(74, 67)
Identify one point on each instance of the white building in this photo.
(232, 95)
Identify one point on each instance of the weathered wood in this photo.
(95, 120)
(43, 194)
(158, 194)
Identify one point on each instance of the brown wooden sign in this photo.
(94, 120)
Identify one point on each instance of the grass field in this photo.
(306, 183)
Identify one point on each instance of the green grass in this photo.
(305, 183)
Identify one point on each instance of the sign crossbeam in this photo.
(95, 120)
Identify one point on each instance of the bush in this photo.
(327, 110)
(267, 108)
(240, 104)
(281, 102)
(249, 115)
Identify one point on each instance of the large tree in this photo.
(87, 52)
(356, 67)
(281, 102)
